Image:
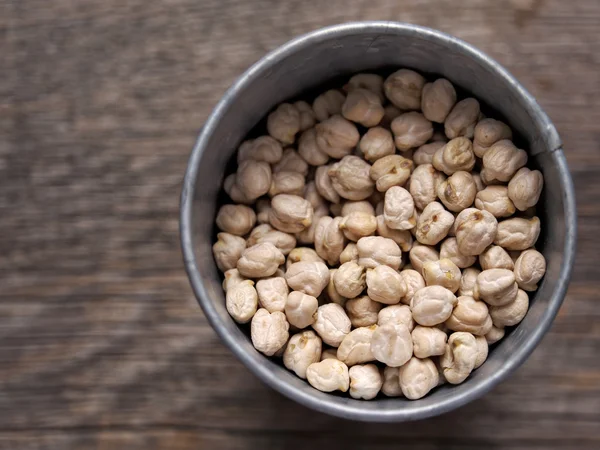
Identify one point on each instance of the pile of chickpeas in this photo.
(380, 239)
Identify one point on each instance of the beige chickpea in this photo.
(423, 185)
(365, 381)
(228, 250)
(241, 301)
(495, 257)
(389, 171)
(496, 287)
(324, 185)
(300, 309)
(265, 233)
(236, 219)
(471, 316)
(457, 155)
(328, 104)
(330, 292)
(362, 311)
(357, 225)
(350, 178)
(356, 346)
(442, 273)
(458, 361)
(370, 81)
(233, 190)
(420, 254)
(263, 206)
(291, 161)
(231, 278)
(529, 269)
(432, 305)
(337, 136)
(494, 335)
(525, 187)
(307, 115)
(309, 150)
(428, 341)
(462, 119)
(399, 209)
(302, 350)
(260, 260)
(418, 377)
(329, 353)
(411, 130)
(284, 123)
(376, 250)
(329, 239)
(376, 143)
(487, 133)
(414, 281)
(308, 277)
(328, 375)
(403, 238)
(482, 351)
(363, 106)
(449, 250)
(272, 293)
(350, 253)
(391, 382)
(350, 280)
(518, 233)
(361, 206)
(287, 183)
(385, 285)
(269, 331)
(396, 315)
(512, 313)
(290, 213)
(424, 154)
(458, 191)
(438, 100)
(502, 160)
(263, 148)
(403, 88)
(475, 231)
(392, 344)
(468, 281)
(332, 324)
(433, 224)
(495, 200)
(302, 254)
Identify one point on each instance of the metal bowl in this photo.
(311, 60)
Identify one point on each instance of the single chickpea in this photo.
(495, 200)
(462, 119)
(502, 160)
(332, 324)
(475, 231)
(324, 185)
(414, 281)
(362, 311)
(350, 253)
(385, 285)
(403, 88)
(432, 305)
(518, 233)
(424, 154)
(399, 209)
(391, 382)
(403, 238)
(284, 123)
(457, 155)
(228, 250)
(309, 150)
(291, 161)
(428, 341)
(376, 143)
(487, 133)
(328, 375)
(330, 292)
(376, 250)
(482, 351)
(458, 191)
(449, 250)
(420, 254)
(529, 268)
(302, 350)
(233, 190)
(392, 344)
(236, 219)
(459, 359)
(302, 254)
(364, 107)
(497, 287)
(356, 346)
(263, 148)
(272, 293)
(423, 185)
(370, 81)
(365, 381)
(392, 170)
(512, 313)
(337, 137)
(307, 115)
(260, 260)
(396, 315)
(241, 301)
(525, 187)
(287, 183)
(468, 281)
(308, 277)
(231, 278)
(494, 335)
(350, 280)
(300, 309)
(269, 331)
(350, 178)
(470, 315)
(357, 225)
(411, 130)
(265, 233)
(433, 224)
(290, 213)
(495, 257)
(442, 273)
(329, 239)
(438, 100)
(418, 377)
(328, 104)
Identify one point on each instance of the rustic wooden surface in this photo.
(102, 344)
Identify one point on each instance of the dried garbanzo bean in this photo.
(391, 170)
(376, 143)
(529, 269)
(438, 100)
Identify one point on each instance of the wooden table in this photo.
(102, 344)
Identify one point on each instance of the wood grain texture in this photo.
(102, 344)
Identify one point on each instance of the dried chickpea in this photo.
(298, 254)
(328, 104)
(496, 287)
(418, 377)
(495, 257)
(269, 331)
(392, 170)
(362, 206)
(428, 341)
(529, 269)
(458, 191)
(399, 209)
(272, 293)
(403, 238)
(495, 200)
(233, 190)
(309, 150)
(482, 351)
(236, 219)
(363, 106)
(494, 335)
(308, 277)
(370, 81)
(420, 254)
(329, 239)
(424, 154)
(302, 350)
(438, 100)
(392, 344)
(525, 187)
(350, 280)
(231, 278)
(350, 253)
(475, 231)
(337, 137)
(470, 315)
(512, 313)
(365, 381)
(462, 119)
(358, 224)
(459, 359)
(307, 115)
(376, 143)
(457, 155)
(414, 281)
(284, 123)
(260, 260)
(376, 250)
(432, 305)
(228, 250)
(291, 161)
(403, 88)
(330, 292)
(487, 133)
(442, 273)
(263, 148)
(328, 375)
(241, 301)
(396, 315)
(332, 324)
(324, 185)
(356, 346)
(391, 382)
(449, 250)
(350, 178)
(362, 311)
(468, 281)
(290, 213)
(433, 224)
(253, 178)
(502, 160)
(300, 309)
(265, 233)
(411, 130)
(385, 285)
(423, 185)
(518, 233)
